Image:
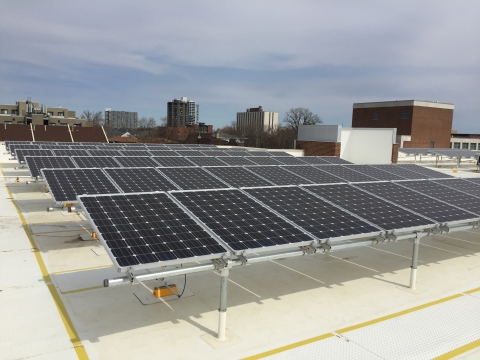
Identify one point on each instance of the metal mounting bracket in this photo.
(222, 264)
(243, 259)
(325, 246)
(309, 249)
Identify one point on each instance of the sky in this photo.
(232, 55)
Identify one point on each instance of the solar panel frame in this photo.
(15, 147)
(68, 190)
(292, 160)
(205, 161)
(105, 152)
(335, 160)
(280, 154)
(192, 178)
(236, 160)
(424, 205)
(314, 160)
(237, 176)
(310, 213)
(163, 153)
(259, 209)
(374, 172)
(259, 153)
(85, 162)
(35, 163)
(345, 173)
(214, 152)
(139, 179)
(277, 175)
(313, 174)
(173, 161)
(469, 187)
(188, 153)
(401, 171)
(21, 153)
(70, 152)
(135, 161)
(264, 160)
(366, 206)
(177, 247)
(135, 153)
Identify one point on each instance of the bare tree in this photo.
(142, 122)
(163, 121)
(96, 117)
(300, 116)
(151, 123)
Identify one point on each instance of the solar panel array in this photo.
(152, 209)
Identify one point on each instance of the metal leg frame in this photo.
(413, 271)
(222, 310)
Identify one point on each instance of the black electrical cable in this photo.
(184, 286)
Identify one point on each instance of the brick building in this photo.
(419, 124)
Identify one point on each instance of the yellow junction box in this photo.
(162, 291)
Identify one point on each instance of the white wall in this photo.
(367, 145)
(327, 133)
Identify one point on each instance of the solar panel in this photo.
(374, 172)
(71, 152)
(135, 153)
(148, 229)
(136, 161)
(215, 153)
(313, 174)
(189, 153)
(290, 160)
(401, 171)
(314, 160)
(264, 160)
(376, 211)
(237, 176)
(432, 174)
(205, 161)
(66, 184)
(344, 172)
(21, 153)
(235, 160)
(139, 179)
(280, 153)
(192, 178)
(451, 196)
(316, 216)
(334, 160)
(415, 151)
(104, 152)
(473, 180)
(425, 205)
(15, 147)
(454, 153)
(162, 153)
(54, 146)
(468, 187)
(173, 161)
(259, 153)
(35, 163)
(241, 222)
(95, 161)
(277, 175)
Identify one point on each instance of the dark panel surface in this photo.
(173, 161)
(313, 174)
(192, 178)
(311, 213)
(189, 152)
(432, 174)
(205, 161)
(470, 187)
(105, 152)
(237, 176)
(314, 160)
(71, 152)
(344, 172)
(264, 160)
(21, 153)
(35, 163)
(162, 153)
(401, 171)
(139, 179)
(148, 229)
(236, 160)
(291, 160)
(377, 211)
(374, 172)
(66, 184)
(95, 161)
(135, 153)
(277, 175)
(419, 203)
(136, 161)
(334, 160)
(239, 221)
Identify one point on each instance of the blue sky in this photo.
(232, 55)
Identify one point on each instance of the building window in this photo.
(473, 146)
(465, 146)
(450, 145)
(14, 112)
(4, 111)
(52, 124)
(375, 115)
(63, 124)
(77, 124)
(8, 123)
(456, 145)
(60, 113)
(405, 114)
(21, 122)
(50, 113)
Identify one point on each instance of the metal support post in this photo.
(222, 311)
(413, 272)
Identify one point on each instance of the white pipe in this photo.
(222, 326)
(413, 278)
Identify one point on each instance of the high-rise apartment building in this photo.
(257, 117)
(182, 112)
(121, 119)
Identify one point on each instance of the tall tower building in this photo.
(121, 119)
(257, 118)
(182, 112)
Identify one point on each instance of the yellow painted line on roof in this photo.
(67, 322)
(459, 351)
(81, 269)
(82, 290)
(471, 291)
(289, 347)
(397, 314)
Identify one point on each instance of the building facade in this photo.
(121, 119)
(257, 118)
(182, 112)
(419, 124)
(465, 141)
(29, 112)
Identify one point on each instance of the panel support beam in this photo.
(413, 271)
(222, 310)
